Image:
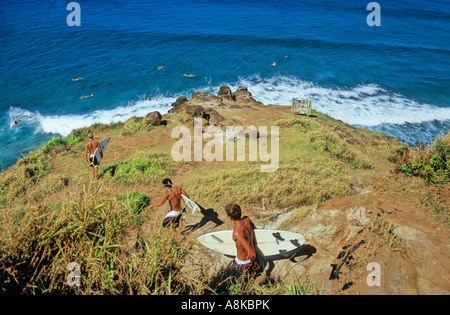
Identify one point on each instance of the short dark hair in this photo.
(233, 211)
(167, 182)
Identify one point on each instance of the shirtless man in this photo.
(91, 146)
(244, 237)
(173, 194)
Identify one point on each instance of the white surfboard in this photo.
(102, 145)
(271, 243)
(190, 204)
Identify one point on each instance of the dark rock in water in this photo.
(180, 101)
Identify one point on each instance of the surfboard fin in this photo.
(278, 236)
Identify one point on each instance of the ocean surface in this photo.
(394, 78)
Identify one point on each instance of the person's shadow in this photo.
(209, 215)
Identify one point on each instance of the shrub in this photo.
(136, 202)
(54, 142)
(429, 162)
(142, 168)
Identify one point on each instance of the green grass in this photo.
(319, 157)
(143, 168)
(38, 243)
(80, 135)
(88, 230)
(315, 165)
(26, 175)
(429, 162)
(136, 201)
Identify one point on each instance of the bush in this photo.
(54, 142)
(429, 162)
(136, 202)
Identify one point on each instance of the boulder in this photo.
(153, 119)
(204, 99)
(225, 94)
(213, 116)
(242, 96)
(180, 101)
(192, 110)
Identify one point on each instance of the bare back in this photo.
(175, 198)
(91, 146)
(244, 236)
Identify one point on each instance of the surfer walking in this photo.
(244, 237)
(173, 194)
(90, 158)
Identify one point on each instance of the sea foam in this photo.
(367, 105)
(363, 105)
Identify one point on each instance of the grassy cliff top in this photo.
(52, 212)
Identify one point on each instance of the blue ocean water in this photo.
(394, 78)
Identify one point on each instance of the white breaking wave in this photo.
(365, 105)
(64, 124)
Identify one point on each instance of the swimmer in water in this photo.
(15, 123)
(87, 96)
(77, 79)
(160, 68)
(189, 75)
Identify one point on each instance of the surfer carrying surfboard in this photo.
(173, 194)
(91, 146)
(244, 237)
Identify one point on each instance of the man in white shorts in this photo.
(90, 147)
(173, 194)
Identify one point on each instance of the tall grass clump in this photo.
(37, 245)
(23, 177)
(137, 202)
(431, 162)
(231, 282)
(74, 137)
